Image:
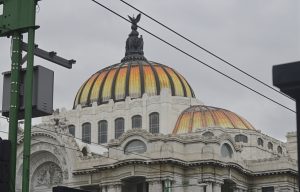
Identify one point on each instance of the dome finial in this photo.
(134, 44)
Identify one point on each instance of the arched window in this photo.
(102, 131)
(72, 130)
(136, 121)
(226, 150)
(270, 146)
(119, 127)
(208, 134)
(154, 122)
(84, 151)
(86, 133)
(279, 150)
(241, 138)
(260, 142)
(135, 146)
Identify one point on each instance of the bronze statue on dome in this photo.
(134, 44)
(134, 21)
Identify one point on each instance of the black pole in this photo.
(298, 135)
(286, 77)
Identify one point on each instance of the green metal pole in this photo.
(28, 111)
(31, 5)
(14, 105)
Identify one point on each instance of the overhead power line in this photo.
(194, 58)
(206, 50)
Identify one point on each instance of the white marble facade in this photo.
(189, 162)
(206, 160)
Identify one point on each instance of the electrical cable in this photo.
(196, 59)
(206, 50)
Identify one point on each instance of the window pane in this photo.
(102, 132)
(119, 127)
(279, 149)
(72, 130)
(135, 146)
(86, 133)
(208, 134)
(260, 142)
(84, 151)
(226, 150)
(154, 123)
(270, 146)
(241, 138)
(136, 121)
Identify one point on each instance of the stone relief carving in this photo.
(47, 175)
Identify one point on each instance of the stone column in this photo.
(114, 188)
(209, 187)
(256, 190)
(216, 187)
(155, 186)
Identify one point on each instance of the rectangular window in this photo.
(86, 133)
(119, 127)
(137, 121)
(72, 130)
(154, 123)
(267, 189)
(102, 132)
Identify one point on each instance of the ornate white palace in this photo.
(137, 126)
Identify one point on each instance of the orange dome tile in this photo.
(200, 116)
(131, 78)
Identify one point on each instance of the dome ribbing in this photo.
(132, 78)
(200, 116)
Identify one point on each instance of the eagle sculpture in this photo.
(134, 21)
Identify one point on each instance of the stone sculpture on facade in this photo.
(47, 175)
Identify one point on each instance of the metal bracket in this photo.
(50, 56)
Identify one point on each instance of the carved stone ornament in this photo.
(47, 175)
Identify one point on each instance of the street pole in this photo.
(298, 135)
(16, 56)
(28, 102)
(286, 78)
(28, 111)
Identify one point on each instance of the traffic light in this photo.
(5, 148)
(16, 16)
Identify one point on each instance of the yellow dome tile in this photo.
(132, 79)
(200, 116)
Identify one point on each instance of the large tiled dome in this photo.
(200, 116)
(131, 78)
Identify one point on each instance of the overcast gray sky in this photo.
(253, 35)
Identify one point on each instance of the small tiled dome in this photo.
(200, 116)
(131, 78)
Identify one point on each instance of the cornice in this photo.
(185, 164)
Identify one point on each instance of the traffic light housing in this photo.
(5, 148)
(17, 16)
